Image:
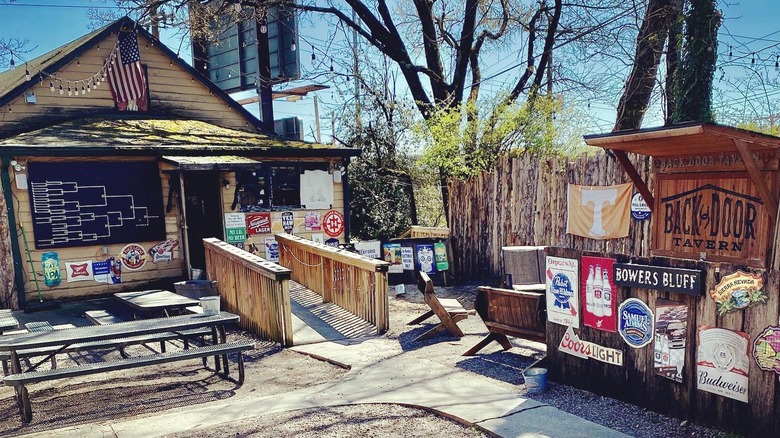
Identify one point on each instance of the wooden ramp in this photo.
(314, 321)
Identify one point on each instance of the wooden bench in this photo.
(449, 310)
(20, 380)
(510, 312)
(103, 317)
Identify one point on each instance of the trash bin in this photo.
(196, 274)
(535, 380)
(196, 289)
(210, 305)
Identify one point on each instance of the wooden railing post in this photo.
(253, 288)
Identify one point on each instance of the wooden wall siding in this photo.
(636, 381)
(353, 282)
(251, 287)
(523, 202)
(172, 90)
(131, 279)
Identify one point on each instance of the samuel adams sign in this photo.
(701, 216)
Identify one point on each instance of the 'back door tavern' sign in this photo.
(710, 216)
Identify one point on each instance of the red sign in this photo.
(79, 270)
(333, 223)
(598, 293)
(258, 223)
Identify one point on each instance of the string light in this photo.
(61, 90)
(51, 86)
(777, 63)
(313, 56)
(70, 92)
(26, 72)
(731, 52)
(12, 64)
(263, 24)
(293, 47)
(753, 59)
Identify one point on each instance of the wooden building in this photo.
(105, 193)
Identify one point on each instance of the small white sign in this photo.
(407, 258)
(235, 220)
(371, 249)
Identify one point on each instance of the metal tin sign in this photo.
(598, 289)
(371, 249)
(440, 254)
(425, 258)
(635, 322)
(684, 281)
(572, 344)
(163, 251)
(258, 223)
(671, 333)
(407, 258)
(639, 209)
(391, 253)
(133, 256)
(333, 223)
(562, 284)
(288, 221)
(766, 349)
(738, 291)
(271, 249)
(79, 271)
(722, 364)
(312, 221)
(51, 268)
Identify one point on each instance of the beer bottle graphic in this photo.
(606, 294)
(598, 292)
(589, 290)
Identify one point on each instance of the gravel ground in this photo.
(272, 370)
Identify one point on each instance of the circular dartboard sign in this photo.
(333, 223)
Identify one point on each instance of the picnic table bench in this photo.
(102, 336)
(7, 320)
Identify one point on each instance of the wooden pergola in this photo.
(688, 140)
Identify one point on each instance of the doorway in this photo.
(203, 210)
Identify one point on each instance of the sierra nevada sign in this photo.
(713, 219)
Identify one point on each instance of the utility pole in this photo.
(317, 119)
(355, 70)
(264, 91)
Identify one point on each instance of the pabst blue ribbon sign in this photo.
(720, 219)
(562, 283)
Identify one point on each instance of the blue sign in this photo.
(561, 290)
(639, 209)
(425, 259)
(635, 322)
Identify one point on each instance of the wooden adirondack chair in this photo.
(448, 310)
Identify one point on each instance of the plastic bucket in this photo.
(210, 305)
(535, 380)
(196, 274)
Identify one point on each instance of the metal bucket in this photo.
(535, 380)
(196, 274)
(210, 305)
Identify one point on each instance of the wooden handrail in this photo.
(339, 255)
(248, 260)
(355, 283)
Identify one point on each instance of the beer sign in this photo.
(704, 217)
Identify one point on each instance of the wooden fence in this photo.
(355, 283)
(253, 288)
(523, 202)
(637, 382)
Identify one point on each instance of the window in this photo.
(272, 186)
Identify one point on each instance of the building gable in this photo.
(175, 88)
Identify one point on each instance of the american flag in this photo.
(126, 75)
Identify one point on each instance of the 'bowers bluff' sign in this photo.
(720, 219)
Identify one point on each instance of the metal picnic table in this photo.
(155, 301)
(7, 320)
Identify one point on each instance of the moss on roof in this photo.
(149, 132)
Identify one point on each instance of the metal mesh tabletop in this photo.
(109, 331)
(7, 320)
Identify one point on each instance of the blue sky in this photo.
(750, 26)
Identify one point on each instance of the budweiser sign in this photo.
(572, 344)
